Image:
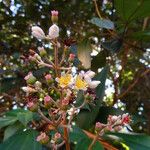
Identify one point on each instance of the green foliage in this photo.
(81, 140)
(21, 115)
(22, 140)
(130, 10)
(99, 60)
(135, 141)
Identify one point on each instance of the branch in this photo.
(106, 145)
(133, 84)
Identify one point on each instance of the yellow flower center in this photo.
(80, 83)
(65, 80)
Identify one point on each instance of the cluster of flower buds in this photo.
(53, 30)
(114, 123)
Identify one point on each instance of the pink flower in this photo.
(71, 57)
(38, 32)
(30, 104)
(42, 138)
(65, 102)
(47, 99)
(48, 77)
(54, 13)
(57, 136)
(53, 31)
(99, 126)
(28, 76)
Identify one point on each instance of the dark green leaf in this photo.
(11, 130)
(135, 141)
(22, 141)
(130, 10)
(99, 61)
(113, 45)
(84, 143)
(25, 117)
(5, 121)
(76, 134)
(102, 23)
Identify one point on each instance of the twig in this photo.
(133, 84)
(97, 10)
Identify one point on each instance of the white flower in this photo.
(93, 84)
(90, 73)
(88, 78)
(38, 32)
(53, 31)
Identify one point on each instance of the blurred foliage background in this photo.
(117, 32)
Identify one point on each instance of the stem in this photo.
(93, 142)
(56, 59)
(97, 10)
(66, 133)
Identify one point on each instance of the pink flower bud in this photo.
(42, 138)
(125, 119)
(54, 13)
(72, 57)
(30, 79)
(57, 136)
(47, 101)
(48, 77)
(99, 126)
(32, 106)
(54, 16)
(65, 102)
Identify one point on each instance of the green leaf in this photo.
(113, 45)
(86, 118)
(11, 130)
(135, 141)
(130, 10)
(5, 121)
(84, 53)
(103, 23)
(25, 117)
(23, 140)
(76, 134)
(99, 61)
(84, 143)
(105, 111)
(101, 87)
(142, 36)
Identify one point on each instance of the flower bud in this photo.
(48, 78)
(28, 89)
(30, 79)
(72, 57)
(38, 85)
(54, 16)
(32, 106)
(42, 51)
(64, 104)
(57, 136)
(99, 126)
(38, 32)
(125, 119)
(43, 138)
(47, 101)
(53, 31)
